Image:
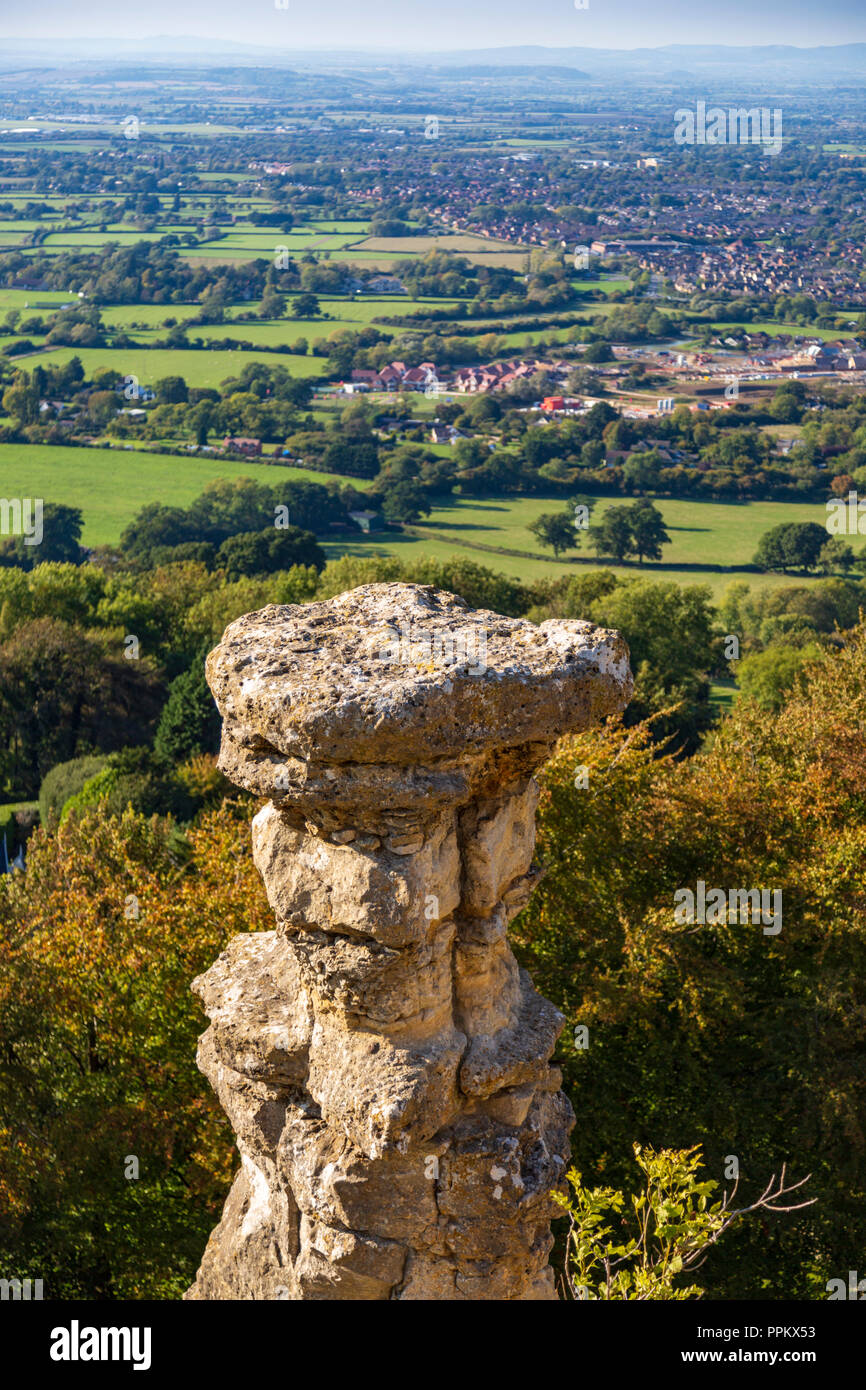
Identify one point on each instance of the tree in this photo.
(583, 382)
(134, 778)
(359, 459)
(641, 471)
(269, 550)
(670, 634)
(405, 501)
(61, 695)
(200, 421)
(648, 531)
(792, 545)
(98, 943)
(592, 454)
(102, 407)
(619, 433)
(21, 400)
(785, 405)
(556, 530)
(190, 721)
(769, 677)
(273, 305)
(842, 484)
(599, 352)
(306, 306)
(613, 534)
(171, 390)
(835, 554)
(61, 536)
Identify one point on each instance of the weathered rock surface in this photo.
(382, 1058)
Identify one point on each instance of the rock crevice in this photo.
(383, 1060)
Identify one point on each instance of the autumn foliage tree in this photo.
(114, 1157)
(748, 1044)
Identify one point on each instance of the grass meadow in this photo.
(110, 486)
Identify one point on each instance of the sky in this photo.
(435, 25)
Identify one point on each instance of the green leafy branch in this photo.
(672, 1226)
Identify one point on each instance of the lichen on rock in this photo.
(383, 1060)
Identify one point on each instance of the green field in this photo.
(37, 300)
(207, 367)
(774, 327)
(701, 532)
(345, 312)
(111, 486)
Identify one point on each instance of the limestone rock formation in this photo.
(382, 1058)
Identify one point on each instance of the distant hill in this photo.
(666, 62)
(548, 70)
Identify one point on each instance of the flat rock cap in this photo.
(406, 673)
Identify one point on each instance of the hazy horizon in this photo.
(416, 26)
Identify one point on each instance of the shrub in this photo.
(64, 781)
(132, 778)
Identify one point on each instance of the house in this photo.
(446, 434)
(419, 378)
(815, 358)
(416, 377)
(242, 445)
(385, 284)
(553, 403)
